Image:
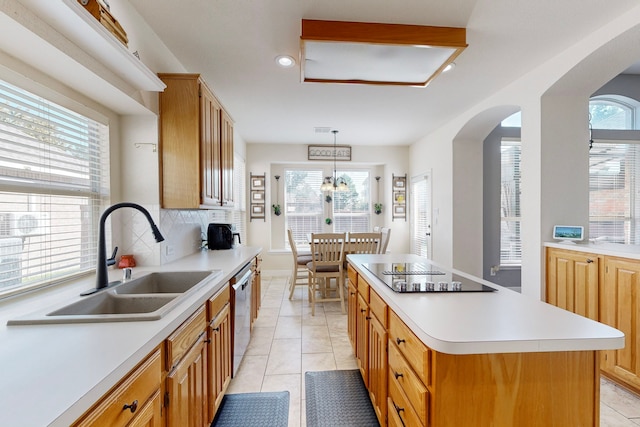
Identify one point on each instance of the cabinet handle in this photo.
(397, 408)
(132, 407)
(362, 310)
(368, 317)
(398, 341)
(207, 341)
(397, 374)
(589, 261)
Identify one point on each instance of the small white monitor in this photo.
(568, 233)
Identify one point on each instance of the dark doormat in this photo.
(338, 398)
(253, 409)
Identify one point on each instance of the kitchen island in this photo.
(52, 374)
(479, 358)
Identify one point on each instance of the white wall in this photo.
(550, 97)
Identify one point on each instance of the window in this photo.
(352, 208)
(510, 238)
(306, 208)
(613, 183)
(54, 180)
(613, 172)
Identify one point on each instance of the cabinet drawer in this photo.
(352, 274)
(217, 302)
(413, 350)
(399, 406)
(363, 288)
(134, 390)
(181, 340)
(378, 307)
(408, 382)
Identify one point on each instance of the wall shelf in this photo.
(257, 197)
(63, 40)
(399, 202)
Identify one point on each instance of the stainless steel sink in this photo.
(166, 282)
(148, 297)
(110, 303)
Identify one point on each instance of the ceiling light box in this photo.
(378, 54)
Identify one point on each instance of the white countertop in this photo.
(51, 374)
(600, 248)
(487, 322)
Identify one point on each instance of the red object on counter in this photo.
(127, 261)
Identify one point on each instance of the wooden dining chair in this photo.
(325, 266)
(386, 235)
(364, 243)
(299, 272)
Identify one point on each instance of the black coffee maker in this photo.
(221, 236)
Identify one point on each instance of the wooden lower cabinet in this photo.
(352, 307)
(605, 289)
(132, 400)
(573, 280)
(362, 338)
(219, 358)
(428, 388)
(377, 369)
(620, 309)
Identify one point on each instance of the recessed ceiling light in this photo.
(450, 66)
(285, 61)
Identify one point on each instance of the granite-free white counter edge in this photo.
(51, 374)
(603, 248)
(488, 322)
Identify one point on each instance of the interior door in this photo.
(421, 215)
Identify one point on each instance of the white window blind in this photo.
(53, 184)
(613, 184)
(421, 217)
(510, 238)
(352, 208)
(303, 204)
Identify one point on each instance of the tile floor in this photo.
(287, 341)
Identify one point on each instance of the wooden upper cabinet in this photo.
(573, 279)
(196, 143)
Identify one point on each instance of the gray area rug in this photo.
(253, 409)
(338, 398)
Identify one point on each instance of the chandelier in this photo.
(333, 183)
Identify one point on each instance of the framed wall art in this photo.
(257, 196)
(399, 197)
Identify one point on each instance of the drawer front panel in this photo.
(217, 302)
(363, 288)
(408, 381)
(378, 307)
(185, 336)
(134, 392)
(413, 350)
(399, 404)
(352, 274)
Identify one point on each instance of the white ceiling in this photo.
(233, 43)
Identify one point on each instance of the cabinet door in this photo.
(227, 159)
(150, 415)
(210, 111)
(573, 281)
(378, 368)
(620, 308)
(362, 338)
(219, 359)
(352, 306)
(187, 389)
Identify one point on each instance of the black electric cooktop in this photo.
(422, 277)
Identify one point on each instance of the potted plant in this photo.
(276, 209)
(328, 221)
(377, 208)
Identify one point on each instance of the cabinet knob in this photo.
(368, 317)
(362, 310)
(589, 261)
(398, 341)
(397, 374)
(132, 407)
(397, 408)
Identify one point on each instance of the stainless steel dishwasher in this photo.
(241, 313)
